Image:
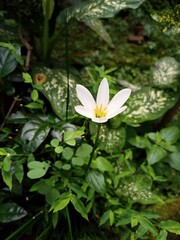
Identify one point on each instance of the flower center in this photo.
(100, 111)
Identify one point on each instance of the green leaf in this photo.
(54, 142)
(19, 172)
(77, 161)
(77, 189)
(111, 217)
(7, 163)
(174, 160)
(7, 178)
(148, 225)
(69, 137)
(33, 133)
(104, 218)
(66, 167)
(102, 164)
(93, 9)
(36, 173)
(166, 73)
(48, 8)
(170, 134)
(7, 62)
(148, 104)
(34, 95)
(155, 154)
(27, 78)
(84, 150)
(59, 149)
(34, 105)
(62, 202)
(36, 165)
(162, 235)
(10, 212)
(79, 206)
(3, 152)
(96, 181)
(171, 226)
(67, 153)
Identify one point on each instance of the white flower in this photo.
(101, 110)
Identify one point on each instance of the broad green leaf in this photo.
(148, 225)
(110, 140)
(7, 163)
(67, 153)
(53, 85)
(77, 189)
(134, 221)
(36, 173)
(62, 202)
(34, 105)
(104, 218)
(8, 62)
(84, 150)
(34, 95)
(96, 181)
(79, 206)
(166, 73)
(59, 149)
(97, 26)
(111, 217)
(174, 160)
(54, 142)
(155, 154)
(10, 212)
(162, 235)
(33, 133)
(19, 171)
(77, 161)
(66, 167)
(93, 9)
(102, 164)
(148, 104)
(3, 152)
(170, 134)
(35, 165)
(7, 178)
(52, 194)
(171, 226)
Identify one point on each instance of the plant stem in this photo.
(94, 147)
(46, 32)
(67, 66)
(69, 223)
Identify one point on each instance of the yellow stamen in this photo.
(100, 111)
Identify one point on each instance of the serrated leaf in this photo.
(96, 181)
(10, 212)
(79, 206)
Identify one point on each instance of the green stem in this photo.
(94, 147)
(69, 223)
(67, 65)
(46, 32)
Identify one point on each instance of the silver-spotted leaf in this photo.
(53, 85)
(148, 104)
(166, 73)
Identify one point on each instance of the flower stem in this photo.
(69, 223)
(94, 147)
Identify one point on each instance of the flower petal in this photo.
(119, 99)
(84, 111)
(99, 120)
(112, 113)
(103, 93)
(85, 97)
